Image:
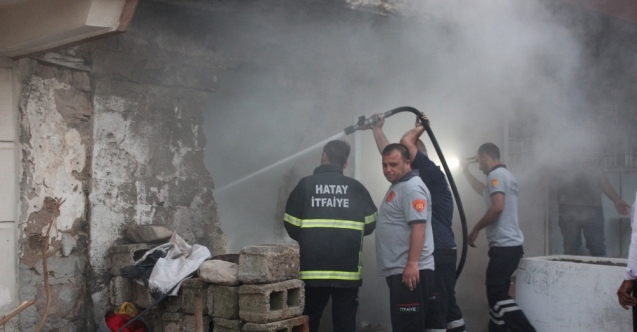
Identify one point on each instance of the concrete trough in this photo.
(572, 293)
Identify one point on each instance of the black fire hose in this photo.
(362, 123)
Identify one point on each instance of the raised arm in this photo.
(411, 137)
(379, 135)
(476, 184)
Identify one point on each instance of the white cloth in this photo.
(180, 261)
(631, 268)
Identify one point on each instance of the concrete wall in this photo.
(150, 90)
(56, 141)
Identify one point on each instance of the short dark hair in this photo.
(404, 152)
(337, 152)
(490, 150)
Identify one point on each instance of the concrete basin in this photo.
(572, 293)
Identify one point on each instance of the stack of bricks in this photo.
(270, 298)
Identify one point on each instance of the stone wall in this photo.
(150, 88)
(56, 140)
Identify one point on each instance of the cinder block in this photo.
(126, 254)
(271, 302)
(268, 263)
(120, 290)
(223, 301)
(153, 319)
(178, 322)
(227, 325)
(296, 324)
(184, 301)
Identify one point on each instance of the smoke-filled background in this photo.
(545, 81)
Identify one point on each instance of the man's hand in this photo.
(411, 275)
(424, 117)
(623, 293)
(473, 236)
(464, 164)
(622, 207)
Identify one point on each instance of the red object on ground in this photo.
(116, 321)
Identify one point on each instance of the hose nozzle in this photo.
(363, 123)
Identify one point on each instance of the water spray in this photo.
(364, 123)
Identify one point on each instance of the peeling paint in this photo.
(53, 177)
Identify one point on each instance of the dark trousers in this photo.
(634, 311)
(443, 314)
(504, 312)
(408, 308)
(344, 305)
(589, 220)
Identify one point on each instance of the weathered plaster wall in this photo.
(56, 141)
(150, 88)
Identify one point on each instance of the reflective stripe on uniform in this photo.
(371, 218)
(340, 275)
(455, 324)
(332, 223)
(292, 220)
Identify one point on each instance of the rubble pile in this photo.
(262, 293)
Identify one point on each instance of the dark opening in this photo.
(276, 301)
(139, 254)
(294, 297)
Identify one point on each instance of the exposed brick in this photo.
(271, 302)
(268, 263)
(126, 254)
(227, 325)
(120, 290)
(178, 322)
(223, 301)
(184, 301)
(296, 324)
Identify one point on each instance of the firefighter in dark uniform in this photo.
(328, 214)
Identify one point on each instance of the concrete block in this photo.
(296, 324)
(271, 302)
(184, 301)
(120, 290)
(223, 301)
(268, 263)
(153, 319)
(227, 325)
(148, 233)
(178, 322)
(123, 255)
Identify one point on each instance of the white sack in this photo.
(180, 261)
